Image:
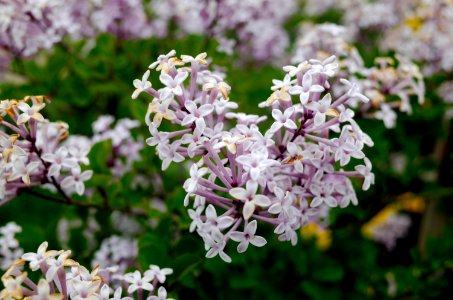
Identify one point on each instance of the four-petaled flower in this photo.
(250, 198)
(141, 85)
(247, 237)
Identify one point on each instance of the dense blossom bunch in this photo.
(362, 14)
(65, 278)
(9, 245)
(33, 152)
(288, 176)
(126, 19)
(253, 27)
(390, 83)
(125, 148)
(424, 35)
(417, 29)
(27, 26)
(117, 251)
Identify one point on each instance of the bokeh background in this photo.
(92, 76)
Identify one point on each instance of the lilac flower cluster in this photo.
(390, 83)
(424, 35)
(9, 245)
(125, 19)
(33, 154)
(285, 177)
(256, 25)
(126, 149)
(118, 253)
(65, 278)
(27, 26)
(417, 29)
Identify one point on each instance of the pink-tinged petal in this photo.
(181, 77)
(275, 127)
(255, 173)
(191, 106)
(200, 124)
(248, 209)
(320, 119)
(225, 222)
(277, 114)
(304, 98)
(258, 241)
(295, 90)
(211, 212)
(206, 109)
(251, 228)
(262, 201)
(67, 182)
(317, 201)
(326, 100)
(80, 188)
(316, 88)
(275, 208)
(50, 274)
(22, 119)
(225, 257)
(136, 93)
(54, 170)
(177, 90)
(166, 79)
(242, 247)
(49, 157)
(23, 106)
(211, 253)
(238, 193)
(189, 119)
(290, 124)
(86, 175)
(237, 236)
(331, 201)
(38, 117)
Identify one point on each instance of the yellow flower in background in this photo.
(322, 236)
(411, 203)
(378, 220)
(414, 23)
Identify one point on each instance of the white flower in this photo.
(136, 282)
(321, 109)
(141, 85)
(306, 88)
(20, 170)
(256, 162)
(197, 114)
(174, 84)
(250, 198)
(58, 160)
(283, 119)
(39, 257)
(154, 272)
(248, 236)
(76, 180)
(29, 112)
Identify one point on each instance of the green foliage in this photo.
(85, 83)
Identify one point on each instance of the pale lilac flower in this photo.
(248, 236)
(141, 85)
(136, 281)
(250, 198)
